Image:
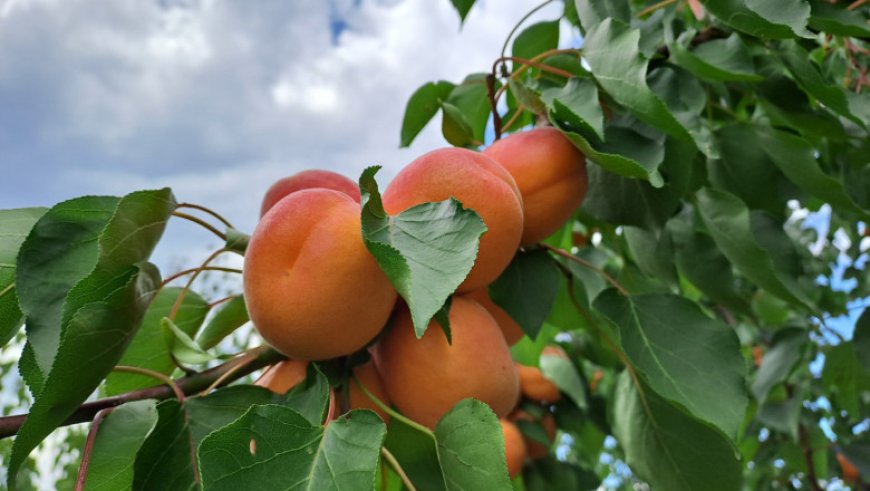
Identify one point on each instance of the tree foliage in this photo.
(704, 293)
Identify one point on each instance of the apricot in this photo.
(550, 173)
(850, 472)
(308, 179)
(369, 378)
(283, 376)
(425, 378)
(537, 387)
(312, 289)
(509, 328)
(480, 184)
(536, 449)
(514, 447)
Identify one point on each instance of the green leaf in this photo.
(727, 219)
(763, 19)
(165, 459)
(717, 59)
(147, 350)
(651, 250)
(14, 227)
(785, 104)
(564, 374)
(548, 474)
(425, 251)
(182, 347)
(416, 452)
(237, 241)
(534, 40)
(455, 128)
(611, 48)
(422, 107)
(811, 81)
(667, 448)
(576, 105)
(120, 437)
(223, 406)
(462, 6)
(795, 157)
(229, 317)
(274, 447)
(593, 12)
(686, 99)
(101, 313)
(310, 398)
(527, 288)
(528, 96)
(838, 19)
(618, 200)
(861, 338)
(843, 377)
(778, 361)
(471, 99)
(682, 354)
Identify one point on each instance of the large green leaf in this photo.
(229, 317)
(611, 48)
(682, 354)
(147, 350)
(274, 447)
(535, 39)
(593, 12)
(728, 222)
(761, 18)
(667, 448)
(717, 59)
(223, 406)
(623, 201)
(422, 107)
(426, 251)
(527, 288)
(575, 106)
(686, 99)
(165, 459)
(838, 19)
(14, 227)
(120, 437)
(471, 100)
(101, 312)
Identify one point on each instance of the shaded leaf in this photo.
(778, 361)
(861, 338)
(593, 12)
(773, 20)
(223, 406)
(470, 99)
(422, 107)
(14, 227)
(622, 201)
(425, 251)
(575, 105)
(527, 288)
(548, 474)
(717, 59)
(120, 436)
(165, 460)
(844, 377)
(838, 19)
(455, 128)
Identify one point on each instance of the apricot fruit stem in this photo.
(202, 223)
(391, 460)
(194, 270)
(535, 64)
(206, 210)
(587, 264)
(179, 394)
(89, 448)
(393, 413)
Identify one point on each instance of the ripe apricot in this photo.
(514, 447)
(550, 173)
(308, 179)
(536, 386)
(850, 472)
(283, 376)
(536, 449)
(480, 184)
(312, 289)
(425, 378)
(509, 328)
(369, 378)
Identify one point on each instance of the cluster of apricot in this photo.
(314, 292)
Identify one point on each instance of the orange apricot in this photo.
(283, 376)
(479, 183)
(536, 449)
(514, 447)
(312, 289)
(308, 179)
(537, 387)
(369, 378)
(850, 472)
(426, 377)
(550, 173)
(509, 328)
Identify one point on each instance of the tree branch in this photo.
(190, 385)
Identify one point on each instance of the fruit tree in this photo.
(640, 263)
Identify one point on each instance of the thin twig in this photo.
(206, 210)
(493, 105)
(8, 288)
(587, 264)
(517, 26)
(180, 299)
(387, 409)
(221, 300)
(652, 8)
(391, 459)
(243, 360)
(519, 112)
(89, 448)
(202, 223)
(194, 270)
(856, 4)
(179, 394)
(535, 64)
(519, 71)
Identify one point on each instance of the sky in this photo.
(218, 99)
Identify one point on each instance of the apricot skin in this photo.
(480, 184)
(308, 179)
(311, 287)
(535, 386)
(509, 328)
(283, 376)
(357, 399)
(514, 447)
(425, 378)
(550, 173)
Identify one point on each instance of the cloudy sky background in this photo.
(218, 99)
